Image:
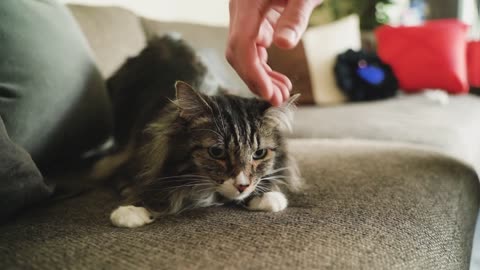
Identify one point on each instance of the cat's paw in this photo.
(130, 216)
(271, 201)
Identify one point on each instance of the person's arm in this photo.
(254, 26)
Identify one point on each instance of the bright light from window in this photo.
(213, 12)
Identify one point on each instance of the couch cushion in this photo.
(113, 33)
(366, 206)
(52, 97)
(453, 128)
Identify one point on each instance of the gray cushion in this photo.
(21, 183)
(453, 128)
(366, 206)
(52, 97)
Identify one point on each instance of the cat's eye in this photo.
(216, 152)
(260, 154)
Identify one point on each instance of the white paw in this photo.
(271, 201)
(130, 216)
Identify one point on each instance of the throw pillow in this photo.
(473, 63)
(322, 46)
(310, 66)
(427, 56)
(293, 63)
(52, 97)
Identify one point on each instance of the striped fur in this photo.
(174, 171)
(169, 167)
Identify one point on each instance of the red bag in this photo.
(429, 56)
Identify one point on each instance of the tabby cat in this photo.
(194, 150)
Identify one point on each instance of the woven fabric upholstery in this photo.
(452, 129)
(366, 206)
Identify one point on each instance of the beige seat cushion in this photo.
(113, 33)
(366, 206)
(453, 129)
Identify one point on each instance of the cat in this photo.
(194, 150)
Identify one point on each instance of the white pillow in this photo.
(322, 46)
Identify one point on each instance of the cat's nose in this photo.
(241, 182)
(241, 188)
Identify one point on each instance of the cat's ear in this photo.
(282, 116)
(190, 102)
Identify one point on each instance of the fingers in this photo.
(281, 84)
(292, 23)
(262, 54)
(246, 18)
(265, 34)
(253, 29)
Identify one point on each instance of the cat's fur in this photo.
(196, 150)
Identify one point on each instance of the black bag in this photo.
(363, 76)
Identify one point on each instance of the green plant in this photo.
(371, 12)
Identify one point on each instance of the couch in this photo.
(389, 185)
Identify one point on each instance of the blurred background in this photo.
(212, 12)
(372, 12)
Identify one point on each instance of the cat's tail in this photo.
(106, 167)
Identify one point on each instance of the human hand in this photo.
(254, 26)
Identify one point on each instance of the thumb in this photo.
(293, 22)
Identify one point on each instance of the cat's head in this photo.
(234, 141)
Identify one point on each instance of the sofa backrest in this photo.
(115, 34)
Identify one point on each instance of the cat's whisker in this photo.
(182, 176)
(274, 178)
(179, 186)
(274, 175)
(261, 191)
(205, 189)
(279, 170)
(191, 185)
(260, 186)
(173, 180)
(169, 190)
(195, 190)
(184, 180)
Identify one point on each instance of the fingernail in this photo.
(288, 34)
